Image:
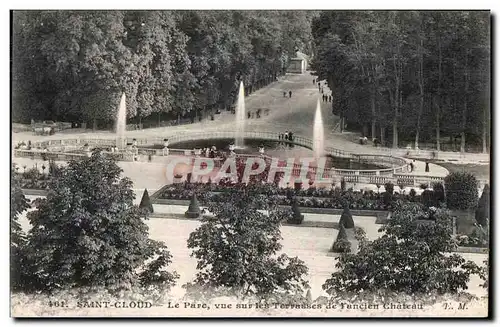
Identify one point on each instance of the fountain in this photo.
(318, 134)
(240, 118)
(121, 118)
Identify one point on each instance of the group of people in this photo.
(327, 98)
(252, 114)
(287, 136)
(413, 167)
(363, 140)
(23, 146)
(207, 152)
(289, 94)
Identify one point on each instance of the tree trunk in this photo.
(341, 122)
(396, 104)
(421, 87)
(439, 100)
(485, 148)
(373, 116)
(94, 124)
(438, 134)
(395, 133)
(455, 101)
(464, 111)
(485, 119)
(159, 118)
(382, 135)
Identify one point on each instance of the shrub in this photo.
(461, 190)
(88, 232)
(346, 218)
(483, 208)
(237, 251)
(413, 193)
(33, 174)
(427, 198)
(423, 249)
(194, 208)
(296, 218)
(146, 202)
(389, 188)
(18, 204)
(439, 197)
(341, 243)
(479, 237)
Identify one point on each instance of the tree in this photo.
(18, 204)
(237, 248)
(88, 232)
(461, 190)
(423, 66)
(146, 202)
(73, 65)
(409, 258)
(483, 208)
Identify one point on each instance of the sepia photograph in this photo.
(250, 163)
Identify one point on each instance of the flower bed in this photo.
(478, 238)
(32, 179)
(310, 198)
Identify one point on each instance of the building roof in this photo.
(301, 55)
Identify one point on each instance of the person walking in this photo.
(314, 81)
(426, 167)
(411, 167)
(284, 94)
(290, 93)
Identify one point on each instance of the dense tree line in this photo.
(408, 76)
(73, 65)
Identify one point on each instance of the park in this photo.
(272, 196)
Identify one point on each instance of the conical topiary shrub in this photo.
(146, 202)
(346, 218)
(194, 208)
(297, 218)
(483, 207)
(341, 244)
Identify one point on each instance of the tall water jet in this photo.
(121, 117)
(318, 133)
(240, 118)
